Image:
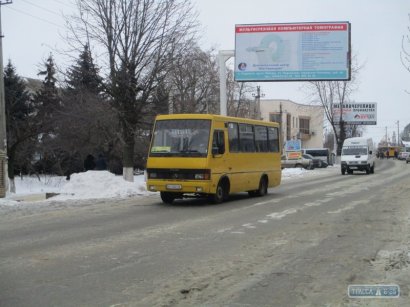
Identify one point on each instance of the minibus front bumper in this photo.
(180, 186)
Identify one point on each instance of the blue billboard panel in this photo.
(292, 52)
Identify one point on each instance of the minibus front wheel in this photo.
(222, 191)
(168, 197)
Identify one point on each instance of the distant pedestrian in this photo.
(89, 163)
(387, 154)
(396, 154)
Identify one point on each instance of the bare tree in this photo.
(333, 94)
(239, 98)
(193, 82)
(139, 40)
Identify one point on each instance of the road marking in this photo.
(249, 226)
(280, 215)
(350, 206)
(224, 229)
(262, 221)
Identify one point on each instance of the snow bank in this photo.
(100, 184)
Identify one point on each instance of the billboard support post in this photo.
(223, 56)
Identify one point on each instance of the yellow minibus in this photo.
(212, 155)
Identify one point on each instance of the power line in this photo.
(36, 17)
(65, 3)
(40, 7)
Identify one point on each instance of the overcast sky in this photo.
(32, 30)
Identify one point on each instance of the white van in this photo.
(358, 155)
(320, 153)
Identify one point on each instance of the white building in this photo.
(298, 121)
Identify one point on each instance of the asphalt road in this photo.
(301, 245)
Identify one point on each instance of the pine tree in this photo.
(85, 121)
(84, 75)
(47, 103)
(20, 117)
(47, 99)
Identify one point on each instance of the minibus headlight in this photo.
(202, 176)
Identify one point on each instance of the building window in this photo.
(304, 125)
(275, 117)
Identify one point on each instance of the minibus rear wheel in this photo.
(262, 190)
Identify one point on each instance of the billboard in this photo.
(293, 145)
(292, 52)
(356, 113)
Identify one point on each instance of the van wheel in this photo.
(350, 172)
(167, 197)
(343, 171)
(372, 169)
(368, 170)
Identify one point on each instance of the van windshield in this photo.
(354, 151)
(181, 138)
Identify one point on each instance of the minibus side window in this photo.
(273, 136)
(233, 136)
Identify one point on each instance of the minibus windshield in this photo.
(354, 151)
(181, 138)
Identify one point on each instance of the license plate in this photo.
(174, 187)
(353, 167)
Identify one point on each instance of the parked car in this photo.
(408, 159)
(316, 162)
(295, 163)
(403, 155)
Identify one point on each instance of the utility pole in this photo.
(3, 135)
(387, 142)
(398, 129)
(257, 109)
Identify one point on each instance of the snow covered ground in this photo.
(101, 184)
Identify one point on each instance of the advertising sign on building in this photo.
(356, 113)
(292, 52)
(293, 145)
